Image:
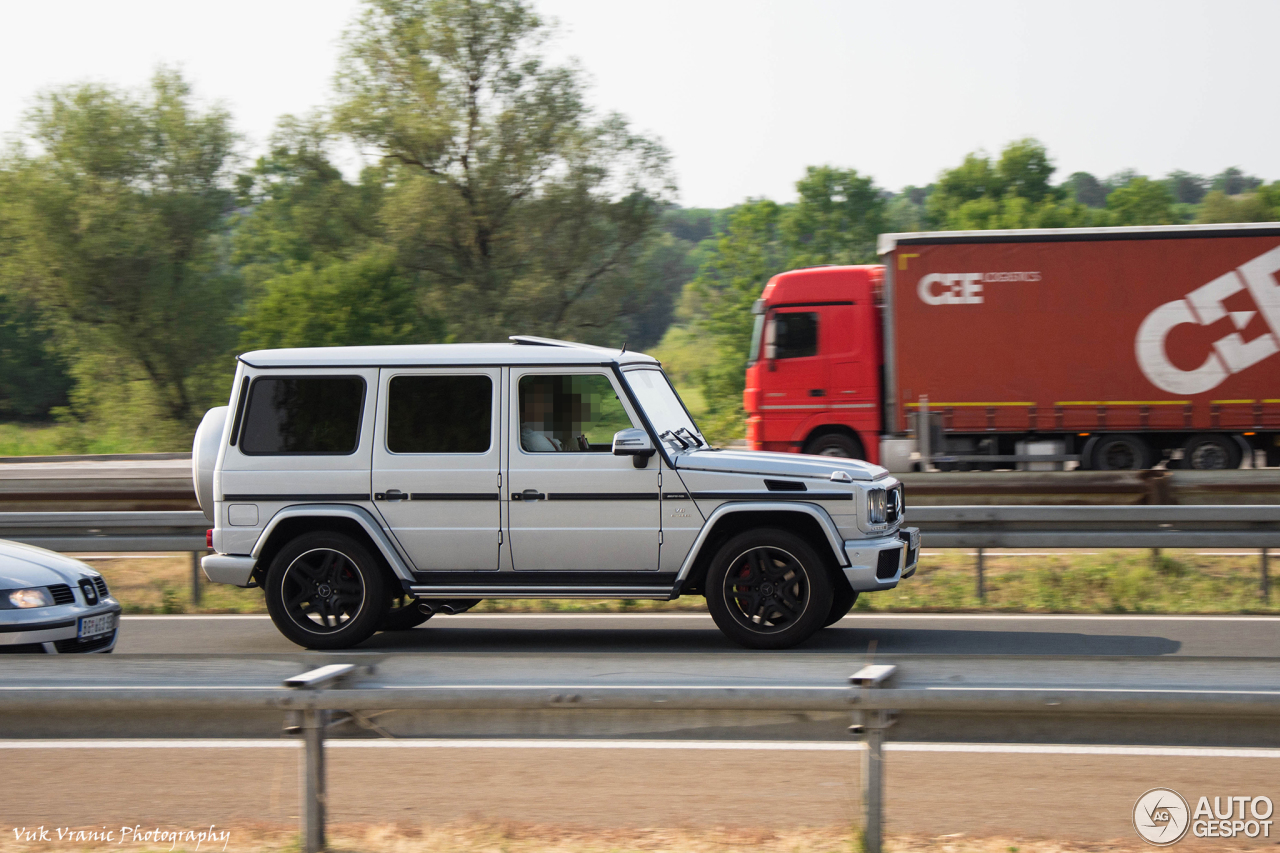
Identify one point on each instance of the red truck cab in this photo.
(814, 373)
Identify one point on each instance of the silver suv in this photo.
(368, 488)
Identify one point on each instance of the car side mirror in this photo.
(634, 443)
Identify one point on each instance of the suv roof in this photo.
(523, 350)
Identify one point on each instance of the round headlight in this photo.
(23, 598)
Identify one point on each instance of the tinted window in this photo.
(439, 414)
(569, 413)
(303, 414)
(795, 335)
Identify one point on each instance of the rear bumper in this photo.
(227, 568)
(880, 563)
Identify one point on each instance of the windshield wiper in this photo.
(693, 435)
(677, 439)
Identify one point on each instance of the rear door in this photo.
(436, 465)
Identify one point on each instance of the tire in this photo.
(768, 589)
(403, 614)
(1120, 453)
(835, 444)
(326, 591)
(1210, 452)
(842, 600)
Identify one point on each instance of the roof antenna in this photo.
(624, 348)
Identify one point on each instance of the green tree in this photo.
(519, 209)
(1141, 201)
(115, 226)
(1257, 206)
(836, 219)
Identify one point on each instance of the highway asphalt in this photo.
(623, 636)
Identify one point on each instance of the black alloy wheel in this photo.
(768, 589)
(326, 591)
(842, 600)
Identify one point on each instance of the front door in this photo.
(795, 385)
(574, 506)
(436, 464)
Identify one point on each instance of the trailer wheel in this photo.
(1211, 452)
(1120, 453)
(835, 444)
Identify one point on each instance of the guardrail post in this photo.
(982, 589)
(872, 724)
(312, 723)
(1264, 589)
(195, 579)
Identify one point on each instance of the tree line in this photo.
(140, 251)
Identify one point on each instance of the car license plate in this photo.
(92, 626)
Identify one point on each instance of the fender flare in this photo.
(359, 515)
(813, 510)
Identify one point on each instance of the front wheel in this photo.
(842, 600)
(326, 591)
(768, 589)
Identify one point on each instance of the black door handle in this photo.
(817, 392)
(528, 495)
(391, 495)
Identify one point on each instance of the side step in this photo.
(656, 593)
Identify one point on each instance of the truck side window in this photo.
(795, 334)
(303, 414)
(574, 413)
(439, 414)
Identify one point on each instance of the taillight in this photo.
(208, 539)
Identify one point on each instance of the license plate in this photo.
(92, 626)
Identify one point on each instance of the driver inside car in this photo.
(537, 415)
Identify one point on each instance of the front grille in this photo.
(887, 563)
(77, 646)
(896, 505)
(89, 591)
(101, 585)
(62, 594)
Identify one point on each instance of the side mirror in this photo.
(634, 443)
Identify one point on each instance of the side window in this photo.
(795, 334)
(439, 414)
(576, 413)
(303, 414)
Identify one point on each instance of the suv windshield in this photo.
(661, 403)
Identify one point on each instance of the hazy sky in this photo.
(746, 94)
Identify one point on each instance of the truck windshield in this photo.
(661, 403)
(757, 332)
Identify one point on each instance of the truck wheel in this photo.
(834, 444)
(1120, 453)
(325, 591)
(1211, 453)
(767, 589)
(842, 600)
(403, 614)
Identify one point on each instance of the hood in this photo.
(26, 565)
(776, 464)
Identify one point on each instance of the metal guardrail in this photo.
(316, 702)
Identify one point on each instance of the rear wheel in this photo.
(768, 589)
(1211, 452)
(1120, 453)
(842, 600)
(326, 591)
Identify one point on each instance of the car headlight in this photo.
(877, 506)
(24, 598)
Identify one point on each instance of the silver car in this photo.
(51, 604)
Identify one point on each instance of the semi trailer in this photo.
(1109, 348)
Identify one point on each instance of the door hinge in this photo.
(659, 480)
(499, 481)
(659, 537)
(499, 535)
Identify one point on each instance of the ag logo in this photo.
(1161, 816)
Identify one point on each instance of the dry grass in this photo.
(512, 837)
(1104, 582)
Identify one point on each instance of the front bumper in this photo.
(880, 563)
(55, 629)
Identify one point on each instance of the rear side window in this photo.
(303, 414)
(795, 335)
(439, 414)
